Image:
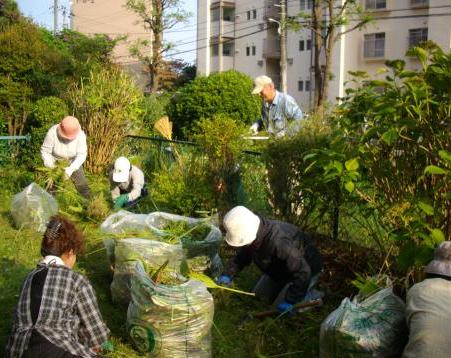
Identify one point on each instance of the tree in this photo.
(328, 21)
(157, 16)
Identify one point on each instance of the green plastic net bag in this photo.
(166, 321)
(374, 327)
(32, 208)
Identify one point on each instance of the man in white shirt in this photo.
(66, 141)
(127, 183)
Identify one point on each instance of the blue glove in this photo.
(224, 280)
(285, 307)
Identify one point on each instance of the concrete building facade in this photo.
(110, 17)
(243, 35)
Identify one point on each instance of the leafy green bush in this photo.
(226, 93)
(220, 139)
(107, 105)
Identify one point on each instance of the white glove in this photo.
(68, 171)
(254, 128)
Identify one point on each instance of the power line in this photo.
(385, 17)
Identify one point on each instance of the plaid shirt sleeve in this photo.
(93, 330)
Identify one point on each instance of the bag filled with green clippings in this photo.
(154, 254)
(32, 208)
(169, 321)
(200, 239)
(374, 327)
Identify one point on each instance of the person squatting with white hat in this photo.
(126, 183)
(288, 257)
(67, 141)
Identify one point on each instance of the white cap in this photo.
(260, 82)
(241, 226)
(121, 170)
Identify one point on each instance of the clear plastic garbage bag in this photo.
(131, 250)
(170, 321)
(374, 327)
(32, 208)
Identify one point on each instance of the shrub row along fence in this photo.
(380, 166)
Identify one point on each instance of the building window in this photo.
(254, 14)
(419, 2)
(227, 48)
(254, 50)
(214, 50)
(215, 14)
(374, 45)
(375, 4)
(417, 36)
(307, 86)
(228, 14)
(248, 15)
(248, 51)
(300, 86)
(306, 4)
(309, 45)
(301, 45)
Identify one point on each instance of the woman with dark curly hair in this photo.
(57, 315)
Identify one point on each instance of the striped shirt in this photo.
(68, 316)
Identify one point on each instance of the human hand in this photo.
(285, 307)
(254, 128)
(68, 171)
(225, 280)
(121, 201)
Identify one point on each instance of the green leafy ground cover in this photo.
(234, 332)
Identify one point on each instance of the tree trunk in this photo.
(317, 15)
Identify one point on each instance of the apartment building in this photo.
(243, 35)
(110, 17)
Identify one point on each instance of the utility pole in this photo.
(283, 45)
(55, 16)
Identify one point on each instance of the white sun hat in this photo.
(241, 226)
(121, 170)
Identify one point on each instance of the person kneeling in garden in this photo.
(57, 314)
(127, 183)
(66, 141)
(288, 258)
(428, 309)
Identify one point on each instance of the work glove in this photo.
(68, 171)
(254, 128)
(224, 280)
(121, 201)
(285, 307)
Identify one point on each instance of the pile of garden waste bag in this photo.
(33, 207)
(158, 239)
(373, 327)
(169, 321)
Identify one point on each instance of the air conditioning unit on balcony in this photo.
(260, 63)
(290, 61)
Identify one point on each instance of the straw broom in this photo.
(164, 127)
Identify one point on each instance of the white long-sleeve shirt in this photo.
(132, 186)
(55, 148)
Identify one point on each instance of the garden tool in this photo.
(296, 307)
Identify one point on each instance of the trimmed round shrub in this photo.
(226, 93)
